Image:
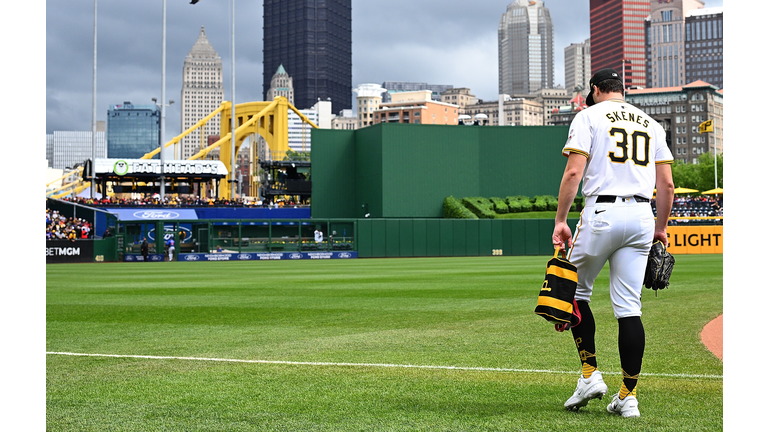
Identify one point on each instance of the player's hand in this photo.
(661, 236)
(562, 235)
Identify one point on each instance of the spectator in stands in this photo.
(715, 208)
(172, 200)
(58, 227)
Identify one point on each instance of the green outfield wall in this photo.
(394, 170)
(395, 237)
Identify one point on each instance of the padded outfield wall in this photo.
(395, 170)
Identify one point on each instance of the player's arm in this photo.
(665, 193)
(569, 185)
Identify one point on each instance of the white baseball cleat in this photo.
(586, 390)
(624, 408)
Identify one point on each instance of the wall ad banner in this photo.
(64, 251)
(698, 239)
(254, 256)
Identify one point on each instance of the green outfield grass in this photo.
(335, 337)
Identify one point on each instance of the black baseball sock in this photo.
(631, 348)
(584, 336)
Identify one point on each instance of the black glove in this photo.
(659, 267)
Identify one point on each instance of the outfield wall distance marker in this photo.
(370, 365)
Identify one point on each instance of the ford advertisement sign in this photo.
(154, 214)
(169, 234)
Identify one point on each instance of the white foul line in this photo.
(373, 365)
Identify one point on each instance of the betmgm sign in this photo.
(65, 251)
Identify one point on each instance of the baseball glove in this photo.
(659, 267)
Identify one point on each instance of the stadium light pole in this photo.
(93, 114)
(162, 116)
(715, 139)
(234, 118)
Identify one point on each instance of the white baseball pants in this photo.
(620, 233)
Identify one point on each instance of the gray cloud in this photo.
(435, 41)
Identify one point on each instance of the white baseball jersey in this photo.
(622, 144)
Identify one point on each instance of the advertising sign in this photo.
(153, 214)
(255, 256)
(64, 251)
(122, 167)
(699, 239)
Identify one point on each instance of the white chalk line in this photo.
(374, 365)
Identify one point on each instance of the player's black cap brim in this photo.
(590, 99)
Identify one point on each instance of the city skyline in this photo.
(456, 45)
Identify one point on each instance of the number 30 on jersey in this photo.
(635, 146)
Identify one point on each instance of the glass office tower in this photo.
(704, 46)
(526, 48)
(132, 130)
(312, 39)
(617, 37)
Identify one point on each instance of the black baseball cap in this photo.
(598, 77)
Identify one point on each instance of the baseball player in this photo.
(171, 249)
(620, 153)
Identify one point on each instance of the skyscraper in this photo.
(665, 41)
(526, 48)
(704, 46)
(202, 91)
(617, 37)
(280, 85)
(132, 130)
(312, 39)
(578, 66)
(68, 148)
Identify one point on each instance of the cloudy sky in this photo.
(434, 41)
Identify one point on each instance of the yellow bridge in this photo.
(269, 119)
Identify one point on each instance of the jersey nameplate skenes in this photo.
(615, 116)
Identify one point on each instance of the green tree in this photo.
(707, 172)
(291, 155)
(684, 175)
(700, 176)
